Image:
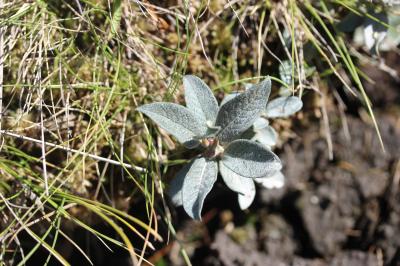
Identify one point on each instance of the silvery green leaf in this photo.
(260, 123)
(238, 114)
(175, 187)
(177, 120)
(212, 131)
(287, 37)
(283, 106)
(375, 31)
(358, 36)
(235, 182)
(394, 22)
(250, 159)
(373, 38)
(277, 180)
(198, 183)
(200, 99)
(266, 136)
(392, 39)
(369, 36)
(285, 91)
(248, 85)
(248, 134)
(229, 97)
(285, 72)
(245, 200)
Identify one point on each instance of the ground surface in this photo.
(343, 211)
(74, 74)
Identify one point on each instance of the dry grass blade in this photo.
(34, 236)
(70, 150)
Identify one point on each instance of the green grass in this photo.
(72, 145)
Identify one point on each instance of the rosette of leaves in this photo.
(217, 130)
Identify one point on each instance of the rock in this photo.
(354, 258)
(277, 237)
(231, 254)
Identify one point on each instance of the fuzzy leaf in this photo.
(369, 36)
(392, 39)
(198, 183)
(373, 38)
(260, 123)
(247, 199)
(229, 97)
(176, 185)
(277, 180)
(248, 85)
(200, 99)
(266, 136)
(212, 131)
(250, 159)
(177, 120)
(372, 33)
(283, 106)
(394, 30)
(235, 182)
(285, 72)
(284, 91)
(238, 114)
